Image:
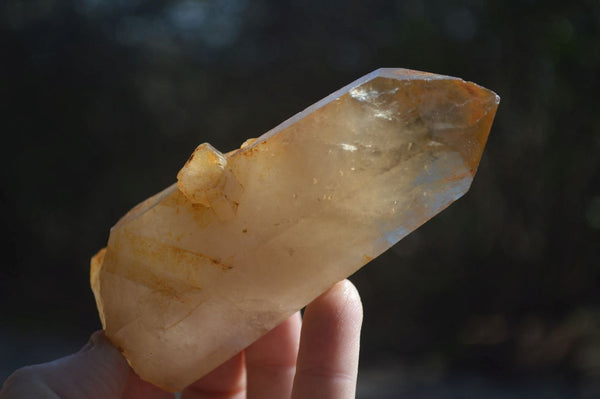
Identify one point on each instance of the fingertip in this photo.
(100, 347)
(101, 363)
(329, 345)
(98, 337)
(96, 340)
(342, 302)
(110, 359)
(350, 296)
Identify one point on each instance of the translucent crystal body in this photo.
(194, 274)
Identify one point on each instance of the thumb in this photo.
(97, 371)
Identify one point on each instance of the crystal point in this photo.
(194, 274)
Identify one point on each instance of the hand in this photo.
(315, 358)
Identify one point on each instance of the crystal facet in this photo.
(194, 274)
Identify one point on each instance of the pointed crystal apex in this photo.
(453, 112)
(194, 274)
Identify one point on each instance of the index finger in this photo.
(329, 345)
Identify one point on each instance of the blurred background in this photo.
(498, 297)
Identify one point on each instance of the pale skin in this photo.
(313, 358)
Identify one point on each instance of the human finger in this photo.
(98, 371)
(271, 361)
(329, 345)
(228, 381)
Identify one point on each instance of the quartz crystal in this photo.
(199, 271)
